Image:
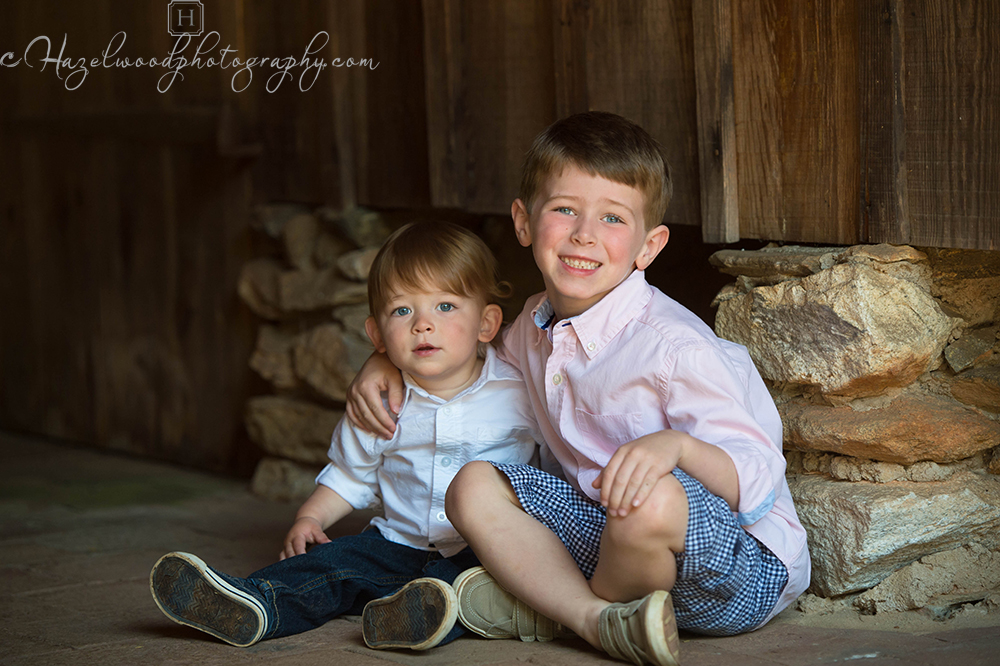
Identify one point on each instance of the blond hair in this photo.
(602, 144)
(441, 255)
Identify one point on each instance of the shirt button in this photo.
(557, 379)
(446, 461)
(441, 516)
(447, 411)
(591, 346)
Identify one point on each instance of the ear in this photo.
(655, 241)
(489, 324)
(519, 212)
(371, 328)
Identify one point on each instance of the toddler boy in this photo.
(432, 294)
(674, 500)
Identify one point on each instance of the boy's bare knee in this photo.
(662, 517)
(474, 484)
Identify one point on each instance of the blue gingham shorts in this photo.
(727, 581)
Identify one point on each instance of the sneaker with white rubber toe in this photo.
(643, 631)
(190, 593)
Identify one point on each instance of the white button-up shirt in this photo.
(638, 362)
(410, 473)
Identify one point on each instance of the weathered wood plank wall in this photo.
(125, 211)
(868, 122)
(124, 230)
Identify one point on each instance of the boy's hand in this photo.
(364, 396)
(306, 530)
(635, 468)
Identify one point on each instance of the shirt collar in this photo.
(598, 325)
(492, 370)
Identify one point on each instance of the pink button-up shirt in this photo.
(638, 362)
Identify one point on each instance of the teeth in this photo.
(580, 263)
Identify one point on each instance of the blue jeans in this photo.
(340, 577)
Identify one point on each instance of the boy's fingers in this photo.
(620, 485)
(369, 421)
(642, 492)
(395, 394)
(635, 484)
(607, 480)
(352, 416)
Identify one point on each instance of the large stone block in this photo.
(284, 480)
(305, 291)
(362, 226)
(968, 282)
(975, 347)
(272, 357)
(291, 428)
(964, 574)
(321, 360)
(355, 265)
(979, 387)
(846, 331)
(300, 234)
(860, 533)
(911, 428)
(258, 287)
(775, 264)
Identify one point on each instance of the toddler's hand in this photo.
(304, 531)
(635, 468)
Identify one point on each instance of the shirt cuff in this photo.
(758, 512)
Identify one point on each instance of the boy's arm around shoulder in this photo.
(713, 392)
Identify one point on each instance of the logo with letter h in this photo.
(185, 17)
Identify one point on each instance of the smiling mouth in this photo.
(580, 263)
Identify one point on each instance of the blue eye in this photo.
(446, 307)
(401, 311)
(564, 209)
(614, 219)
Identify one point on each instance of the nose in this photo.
(583, 230)
(422, 324)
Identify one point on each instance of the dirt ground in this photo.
(80, 529)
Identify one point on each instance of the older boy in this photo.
(432, 294)
(669, 440)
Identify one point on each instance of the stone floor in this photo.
(79, 531)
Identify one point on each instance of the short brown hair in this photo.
(602, 144)
(440, 254)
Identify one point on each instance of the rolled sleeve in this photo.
(711, 398)
(353, 470)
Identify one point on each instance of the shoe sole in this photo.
(656, 632)
(190, 593)
(418, 616)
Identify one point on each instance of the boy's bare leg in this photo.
(526, 557)
(637, 550)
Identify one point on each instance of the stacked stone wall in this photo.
(884, 362)
(311, 294)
